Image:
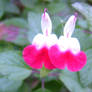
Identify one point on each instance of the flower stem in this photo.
(43, 84)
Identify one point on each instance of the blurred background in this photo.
(20, 21)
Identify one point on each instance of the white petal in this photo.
(51, 40)
(41, 40)
(71, 44)
(46, 24)
(70, 26)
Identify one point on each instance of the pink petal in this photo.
(57, 58)
(37, 58)
(60, 60)
(76, 62)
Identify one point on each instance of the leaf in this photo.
(83, 8)
(24, 88)
(52, 5)
(86, 72)
(7, 6)
(1, 14)
(70, 79)
(86, 11)
(21, 38)
(34, 20)
(82, 23)
(28, 3)
(18, 22)
(11, 8)
(16, 31)
(74, 82)
(12, 66)
(4, 46)
(2, 5)
(56, 7)
(41, 90)
(57, 25)
(90, 1)
(7, 85)
(53, 85)
(82, 35)
(13, 34)
(72, 1)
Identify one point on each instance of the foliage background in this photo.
(20, 22)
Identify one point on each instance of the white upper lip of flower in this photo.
(46, 24)
(67, 42)
(46, 39)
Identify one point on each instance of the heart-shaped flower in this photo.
(36, 55)
(66, 53)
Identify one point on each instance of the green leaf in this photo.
(86, 72)
(28, 3)
(7, 6)
(57, 25)
(54, 85)
(71, 81)
(41, 90)
(84, 8)
(12, 66)
(4, 46)
(24, 88)
(18, 22)
(82, 23)
(56, 7)
(1, 14)
(2, 5)
(14, 34)
(52, 5)
(21, 38)
(7, 85)
(86, 11)
(81, 35)
(34, 20)
(11, 8)
(90, 1)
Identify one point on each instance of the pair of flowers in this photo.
(49, 51)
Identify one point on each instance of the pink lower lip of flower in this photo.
(37, 58)
(62, 60)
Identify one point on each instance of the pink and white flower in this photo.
(36, 55)
(67, 53)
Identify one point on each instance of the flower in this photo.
(36, 55)
(66, 53)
